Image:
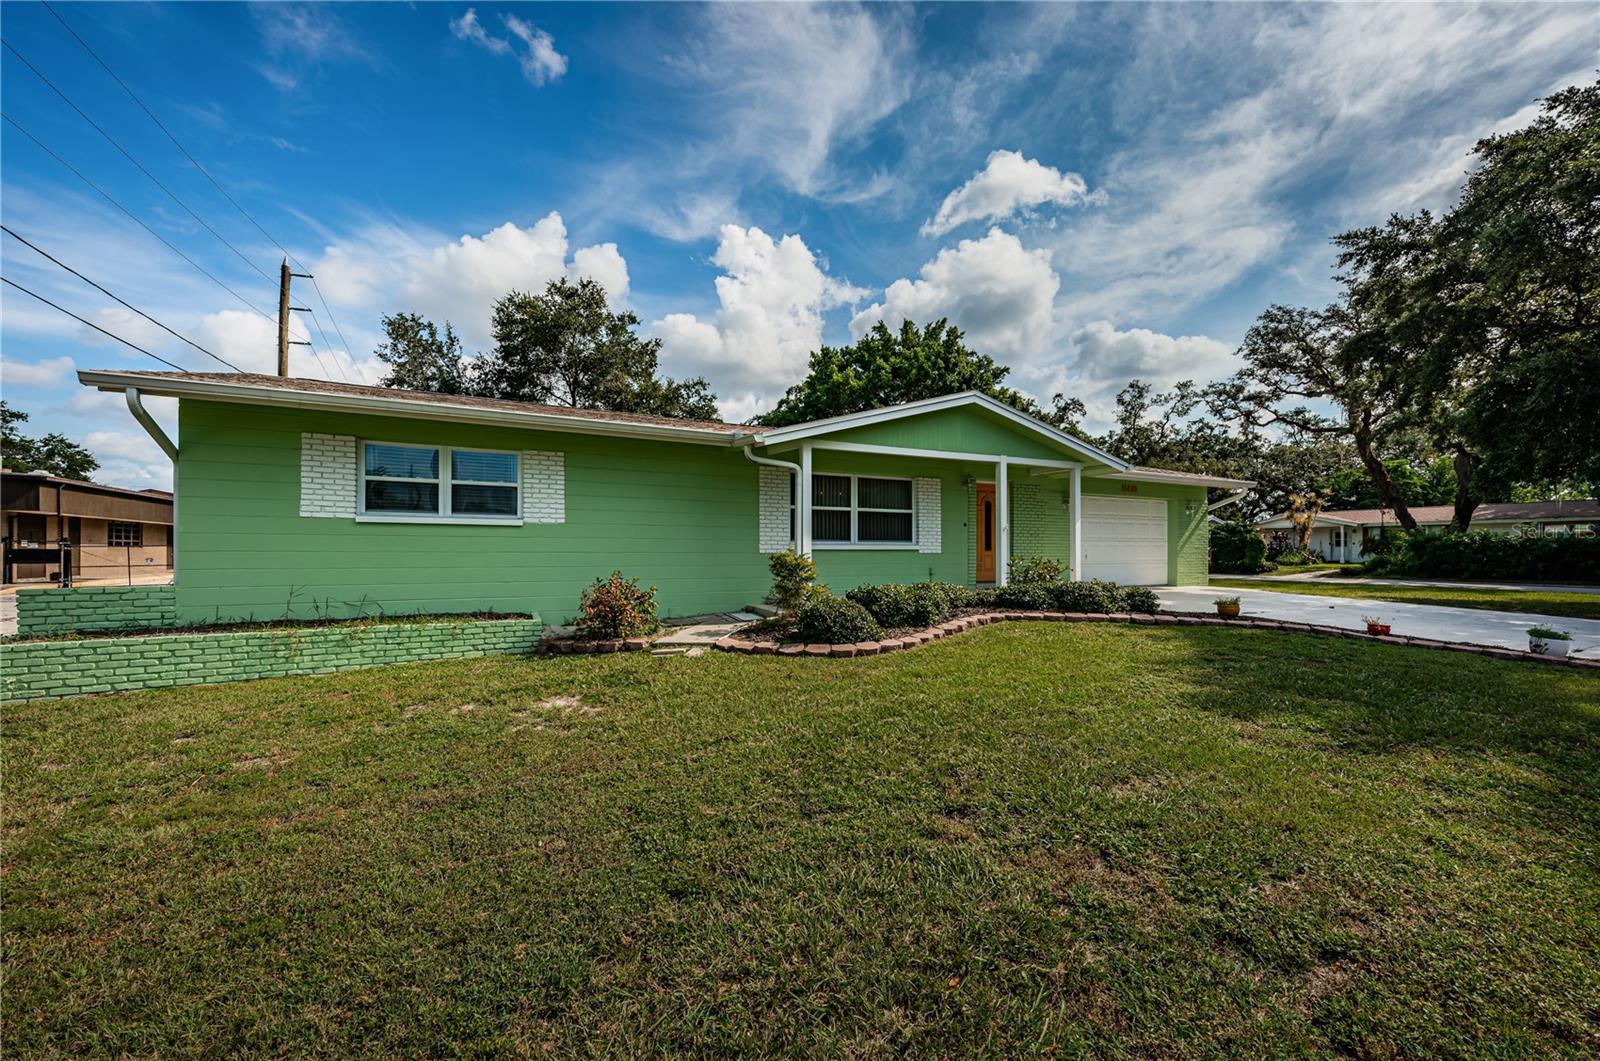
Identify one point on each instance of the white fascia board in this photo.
(780, 435)
(1177, 478)
(246, 394)
(942, 454)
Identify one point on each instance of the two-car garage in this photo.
(1125, 540)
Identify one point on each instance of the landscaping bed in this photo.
(1077, 839)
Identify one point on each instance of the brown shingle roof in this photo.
(1489, 512)
(319, 386)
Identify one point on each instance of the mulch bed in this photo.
(763, 642)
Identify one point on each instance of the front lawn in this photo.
(1301, 569)
(1032, 839)
(1540, 602)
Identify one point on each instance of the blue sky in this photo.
(1092, 192)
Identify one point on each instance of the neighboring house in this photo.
(110, 533)
(1344, 536)
(305, 496)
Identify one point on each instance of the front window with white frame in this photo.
(439, 482)
(861, 510)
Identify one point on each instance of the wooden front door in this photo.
(986, 532)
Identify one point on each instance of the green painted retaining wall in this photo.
(37, 669)
(61, 611)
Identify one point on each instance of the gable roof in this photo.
(1489, 512)
(257, 389)
(772, 436)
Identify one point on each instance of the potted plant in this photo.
(1227, 607)
(1548, 641)
(1376, 626)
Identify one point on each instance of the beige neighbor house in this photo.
(1344, 536)
(112, 535)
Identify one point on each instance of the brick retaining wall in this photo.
(41, 669)
(64, 611)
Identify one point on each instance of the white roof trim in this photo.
(1145, 475)
(778, 435)
(255, 394)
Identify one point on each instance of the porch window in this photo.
(422, 481)
(861, 510)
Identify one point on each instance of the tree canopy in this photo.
(563, 346)
(54, 453)
(890, 367)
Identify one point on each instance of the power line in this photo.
(91, 324)
(331, 351)
(137, 164)
(214, 183)
(135, 218)
(8, 231)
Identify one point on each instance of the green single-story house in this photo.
(301, 497)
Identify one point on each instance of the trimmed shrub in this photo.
(1140, 599)
(794, 580)
(1033, 596)
(1029, 569)
(616, 607)
(1237, 548)
(835, 621)
(1091, 596)
(1486, 555)
(922, 604)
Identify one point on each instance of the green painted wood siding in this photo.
(679, 516)
(966, 430)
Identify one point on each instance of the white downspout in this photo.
(170, 448)
(792, 469)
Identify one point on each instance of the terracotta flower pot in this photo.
(1378, 629)
(1228, 611)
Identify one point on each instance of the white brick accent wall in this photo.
(544, 486)
(929, 515)
(328, 479)
(774, 508)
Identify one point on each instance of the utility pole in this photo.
(284, 342)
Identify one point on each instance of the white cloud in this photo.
(130, 459)
(1007, 184)
(771, 298)
(45, 373)
(994, 289)
(385, 268)
(540, 62)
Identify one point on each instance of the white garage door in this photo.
(1125, 540)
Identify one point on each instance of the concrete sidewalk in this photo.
(1466, 625)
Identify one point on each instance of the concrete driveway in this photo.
(1467, 625)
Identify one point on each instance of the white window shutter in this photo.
(929, 515)
(773, 515)
(328, 475)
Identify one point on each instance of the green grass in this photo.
(1300, 569)
(1031, 839)
(1574, 605)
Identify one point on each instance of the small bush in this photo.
(1140, 599)
(1024, 570)
(1237, 548)
(794, 580)
(616, 607)
(1090, 596)
(835, 621)
(1297, 557)
(1033, 596)
(922, 604)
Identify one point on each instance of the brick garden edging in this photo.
(971, 622)
(48, 669)
(566, 646)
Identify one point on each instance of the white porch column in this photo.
(802, 503)
(1002, 504)
(1077, 523)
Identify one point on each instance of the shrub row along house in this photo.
(299, 497)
